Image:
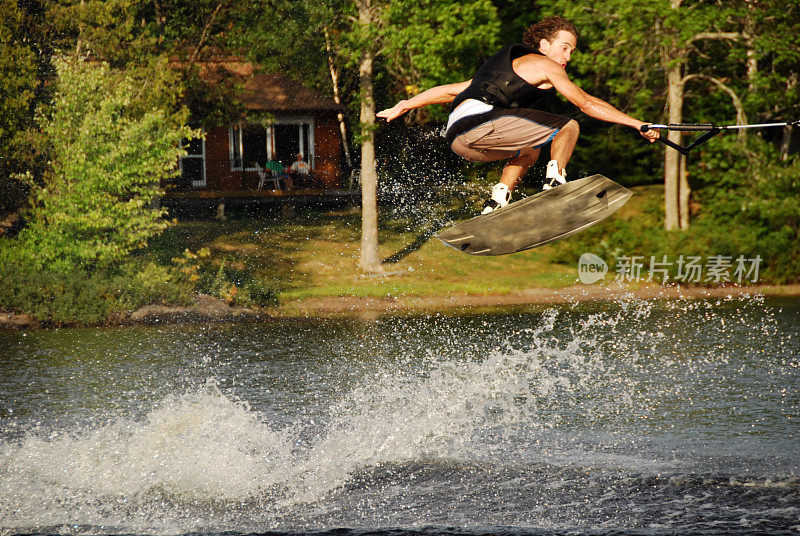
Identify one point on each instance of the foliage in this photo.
(18, 80)
(424, 44)
(438, 41)
(418, 44)
(235, 287)
(84, 295)
(625, 45)
(108, 152)
(623, 52)
(189, 265)
(288, 37)
(773, 89)
(17, 72)
(753, 196)
(261, 293)
(96, 295)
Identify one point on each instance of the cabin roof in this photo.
(266, 92)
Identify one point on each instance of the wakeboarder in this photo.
(494, 115)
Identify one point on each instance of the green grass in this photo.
(315, 255)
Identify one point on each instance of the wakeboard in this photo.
(539, 219)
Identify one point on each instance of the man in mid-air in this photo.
(493, 116)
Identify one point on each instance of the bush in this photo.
(261, 294)
(146, 283)
(85, 296)
(108, 152)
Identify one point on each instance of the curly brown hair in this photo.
(547, 28)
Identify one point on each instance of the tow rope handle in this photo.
(709, 131)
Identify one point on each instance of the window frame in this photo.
(201, 183)
(308, 153)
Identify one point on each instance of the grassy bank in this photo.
(272, 259)
(315, 255)
(266, 260)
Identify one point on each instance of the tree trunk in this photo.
(672, 158)
(752, 60)
(683, 194)
(79, 41)
(786, 143)
(204, 34)
(335, 83)
(788, 131)
(369, 261)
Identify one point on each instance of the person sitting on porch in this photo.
(300, 166)
(301, 172)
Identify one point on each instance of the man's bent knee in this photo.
(573, 126)
(528, 155)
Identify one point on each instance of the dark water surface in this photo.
(635, 418)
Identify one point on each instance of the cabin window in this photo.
(280, 141)
(193, 165)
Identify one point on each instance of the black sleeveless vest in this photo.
(497, 84)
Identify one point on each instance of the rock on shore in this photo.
(206, 308)
(14, 321)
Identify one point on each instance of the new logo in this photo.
(591, 268)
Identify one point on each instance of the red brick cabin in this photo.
(284, 119)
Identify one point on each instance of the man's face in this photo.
(560, 49)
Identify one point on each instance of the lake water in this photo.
(611, 418)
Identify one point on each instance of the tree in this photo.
(674, 55)
(138, 36)
(773, 64)
(109, 150)
(369, 261)
(120, 32)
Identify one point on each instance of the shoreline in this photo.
(210, 309)
(531, 296)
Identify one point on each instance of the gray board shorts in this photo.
(502, 133)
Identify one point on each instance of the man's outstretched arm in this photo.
(590, 105)
(435, 95)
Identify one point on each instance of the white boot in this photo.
(552, 176)
(500, 198)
